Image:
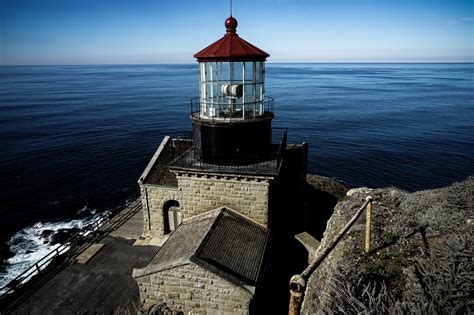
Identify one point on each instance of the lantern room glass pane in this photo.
(220, 83)
(258, 71)
(249, 72)
(225, 72)
(236, 72)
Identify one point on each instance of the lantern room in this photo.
(231, 78)
(231, 90)
(232, 117)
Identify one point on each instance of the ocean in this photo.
(75, 139)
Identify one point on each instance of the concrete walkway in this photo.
(103, 282)
(126, 224)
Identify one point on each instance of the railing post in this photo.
(38, 268)
(368, 219)
(23, 277)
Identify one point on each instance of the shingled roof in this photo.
(222, 241)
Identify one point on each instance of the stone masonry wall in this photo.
(198, 194)
(248, 196)
(192, 288)
(153, 201)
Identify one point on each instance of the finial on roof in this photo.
(231, 24)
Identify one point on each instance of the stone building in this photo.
(211, 263)
(236, 160)
(171, 191)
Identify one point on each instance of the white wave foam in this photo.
(32, 243)
(86, 209)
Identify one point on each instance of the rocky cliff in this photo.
(421, 259)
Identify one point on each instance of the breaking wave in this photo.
(32, 243)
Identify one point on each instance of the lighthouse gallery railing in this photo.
(190, 158)
(221, 109)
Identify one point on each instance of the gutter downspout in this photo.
(148, 210)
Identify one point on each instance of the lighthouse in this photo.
(232, 116)
(234, 155)
(215, 201)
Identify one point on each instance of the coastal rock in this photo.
(420, 260)
(329, 185)
(321, 195)
(63, 235)
(363, 190)
(46, 235)
(5, 253)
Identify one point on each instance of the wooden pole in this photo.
(368, 219)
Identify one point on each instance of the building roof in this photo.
(157, 172)
(231, 47)
(235, 245)
(222, 241)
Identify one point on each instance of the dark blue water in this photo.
(77, 136)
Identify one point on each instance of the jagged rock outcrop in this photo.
(421, 259)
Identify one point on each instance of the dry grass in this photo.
(422, 261)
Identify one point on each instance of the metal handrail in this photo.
(298, 282)
(64, 248)
(269, 164)
(282, 148)
(267, 102)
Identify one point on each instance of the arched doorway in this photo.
(171, 216)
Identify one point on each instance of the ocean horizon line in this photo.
(268, 62)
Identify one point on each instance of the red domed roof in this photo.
(231, 47)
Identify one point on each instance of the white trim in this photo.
(153, 159)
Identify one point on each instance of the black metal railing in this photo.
(282, 148)
(258, 162)
(222, 110)
(66, 247)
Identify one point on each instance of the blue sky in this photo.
(171, 31)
